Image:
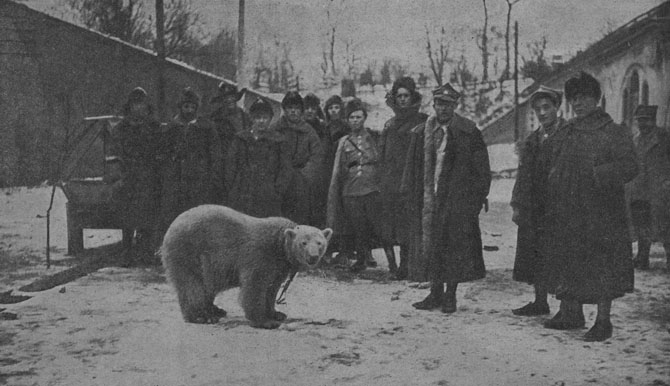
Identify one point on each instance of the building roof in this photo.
(140, 50)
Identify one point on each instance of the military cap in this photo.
(555, 96)
(261, 107)
(584, 84)
(646, 111)
(227, 89)
(446, 93)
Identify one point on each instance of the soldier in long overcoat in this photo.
(136, 193)
(257, 170)
(313, 115)
(650, 190)
(228, 119)
(400, 225)
(527, 199)
(191, 164)
(302, 146)
(449, 177)
(586, 245)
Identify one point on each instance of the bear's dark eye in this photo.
(304, 243)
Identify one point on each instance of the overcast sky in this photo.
(396, 29)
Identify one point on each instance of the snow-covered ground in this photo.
(122, 326)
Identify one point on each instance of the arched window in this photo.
(631, 98)
(645, 93)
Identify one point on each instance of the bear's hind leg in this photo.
(253, 298)
(195, 302)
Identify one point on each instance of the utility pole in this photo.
(240, 74)
(516, 81)
(160, 49)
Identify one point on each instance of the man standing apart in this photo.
(587, 247)
(650, 190)
(303, 148)
(527, 201)
(449, 176)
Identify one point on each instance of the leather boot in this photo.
(433, 300)
(641, 261)
(390, 256)
(403, 268)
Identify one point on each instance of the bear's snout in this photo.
(312, 260)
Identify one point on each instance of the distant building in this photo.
(54, 73)
(632, 64)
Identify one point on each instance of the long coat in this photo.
(257, 173)
(587, 246)
(191, 167)
(394, 143)
(320, 190)
(527, 198)
(302, 145)
(451, 244)
(653, 182)
(137, 193)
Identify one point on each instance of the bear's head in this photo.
(306, 245)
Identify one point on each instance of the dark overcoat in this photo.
(257, 173)
(191, 167)
(452, 245)
(320, 190)
(653, 182)
(527, 198)
(303, 148)
(137, 193)
(586, 243)
(394, 143)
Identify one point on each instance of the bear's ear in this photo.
(327, 233)
(290, 233)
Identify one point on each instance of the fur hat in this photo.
(189, 96)
(311, 100)
(261, 107)
(333, 100)
(292, 98)
(355, 105)
(138, 95)
(405, 82)
(644, 111)
(227, 89)
(555, 96)
(584, 84)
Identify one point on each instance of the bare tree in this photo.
(183, 36)
(333, 15)
(536, 67)
(483, 46)
(439, 56)
(510, 4)
(125, 20)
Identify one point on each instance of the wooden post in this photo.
(240, 76)
(160, 49)
(516, 82)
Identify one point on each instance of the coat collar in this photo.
(457, 123)
(269, 135)
(595, 120)
(649, 141)
(301, 126)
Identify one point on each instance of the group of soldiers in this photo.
(574, 182)
(418, 184)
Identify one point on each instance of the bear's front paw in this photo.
(268, 324)
(279, 316)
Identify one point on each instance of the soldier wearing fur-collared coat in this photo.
(587, 245)
(452, 244)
